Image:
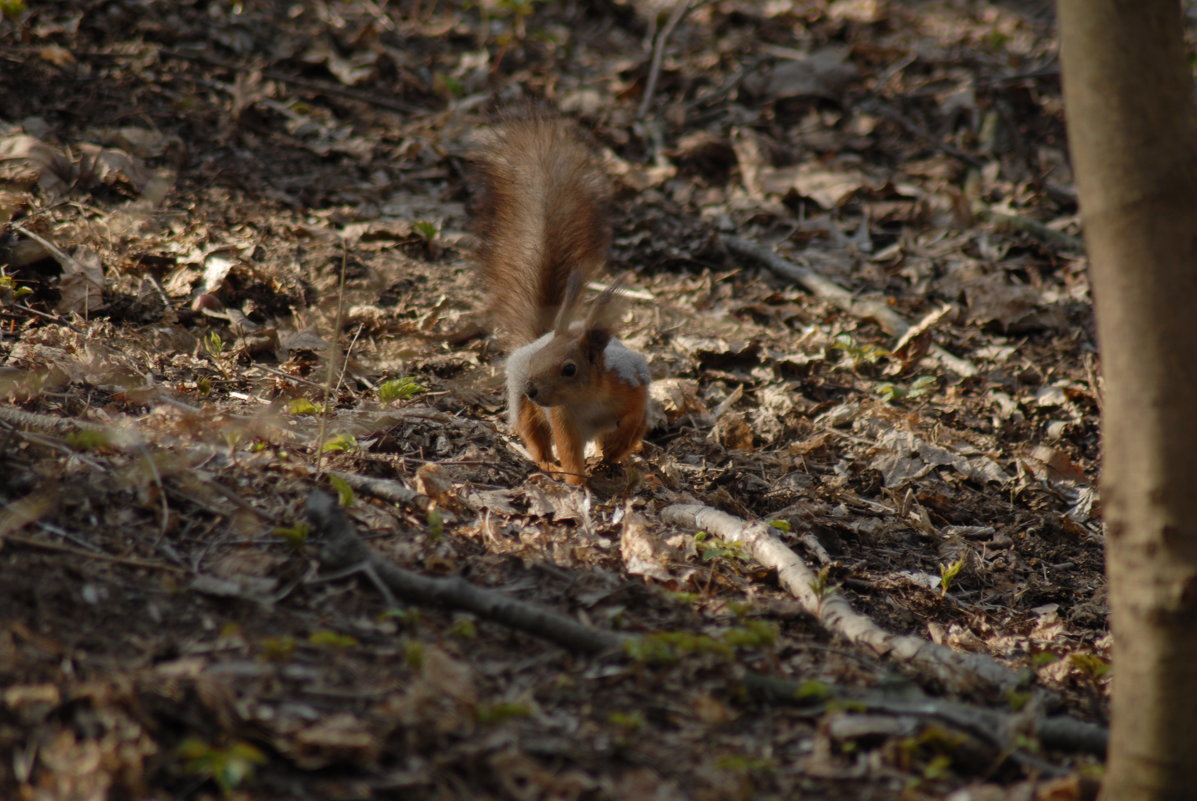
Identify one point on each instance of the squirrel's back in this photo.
(540, 214)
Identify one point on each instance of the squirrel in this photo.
(541, 231)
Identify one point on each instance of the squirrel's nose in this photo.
(530, 391)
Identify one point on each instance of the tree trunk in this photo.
(1133, 135)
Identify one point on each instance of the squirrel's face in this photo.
(566, 370)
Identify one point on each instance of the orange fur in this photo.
(540, 220)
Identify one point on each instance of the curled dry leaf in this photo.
(81, 287)
(642, 551)
(822, 73)
(26, 160)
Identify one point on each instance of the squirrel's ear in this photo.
(569, 302)
(594, 342)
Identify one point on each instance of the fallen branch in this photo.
(384, 488)
(1017, 222)
(342, 548)
(998, 728)
(961, 672)
(890, 321)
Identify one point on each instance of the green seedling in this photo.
(918, 387)
(228, 767)
(628, 721)
(780, 525)
(279, 649)
(399, 389)
(8, 284)
(856, 354)
(1017, 699)
(1091, 665)
(295, 535)
(436, 526)
(1044, 658)
(948, 573)
(811, 692)
(88, 440)
(716, 548)
(668, 647)
(325, 638)
(821, 586)
(754, 634)
(299, 406)
(426, 229)
(463, 628)
(490, 714)
(341, 442)
(345, 493)
(413, 654)
(408, 618)
(213, 344)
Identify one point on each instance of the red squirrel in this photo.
(540, 221)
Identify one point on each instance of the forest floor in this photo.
(236, 274)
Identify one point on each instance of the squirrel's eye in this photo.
(568, 369)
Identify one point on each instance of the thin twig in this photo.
(680, 10)
(302, 83)
(31, 542)
(343, 548)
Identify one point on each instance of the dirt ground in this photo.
(236, 272)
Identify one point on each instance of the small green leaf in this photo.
(426, 229)
(413, 654)
(497, 713)
(436, 526)
(88, 440)
(399, 389)
(299, 406)
(324, 638)
(948, 573)
(228, 767)
(12, 8)
(278, 649)
(464, 629)
(812, 691)
(341, 442)
(345, 493)
(293, 535)
(631, 721)
(213, 343)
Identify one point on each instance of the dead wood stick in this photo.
(324, 87)
(343, 548)
(1055, 732)
(130, 561)
(890, 321)
(1017, 222)
(961, 672)
(816, 284)
(387, 489)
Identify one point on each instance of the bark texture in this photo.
(1133, 136)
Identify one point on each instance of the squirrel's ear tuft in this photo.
(605, 310)
(569, 302)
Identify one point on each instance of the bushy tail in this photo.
(540, 214)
